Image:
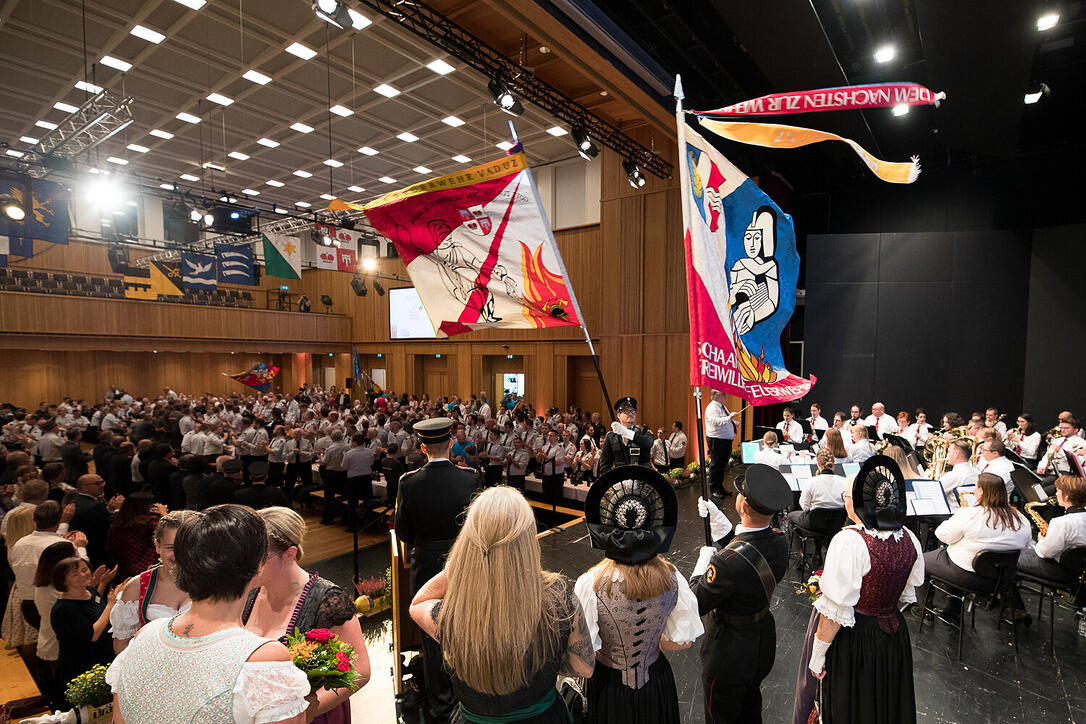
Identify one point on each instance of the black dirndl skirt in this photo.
(869, 675)
(612, 702)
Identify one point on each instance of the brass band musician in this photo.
(1063, 533)
(1070, 442)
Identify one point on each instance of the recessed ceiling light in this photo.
(504, 145)
(276, 184)
(303, 204)
(13, 153)
(885, 54)
(422, 169)
(557, 131)
(65, 107)
(452, 121)
(268, 143)
(161, 134)
(187, 117)
(250, 192)
(302, 128)
(368, 151)
(151, 36)
(341, 110)
(194, 4)
(46, 125)
(88, 87)
(168, 187)
(117, 63)
(333, 163)
(213, 166)
(1036, 92)
(220, 99)
(407, 137)
(303, 174)
(1048, 21)
(28, 139)
(328, 197)
(440, 67)
(189, 177)
(301, 51)
(356, 189)
(256, 77)
(118, 161)
(386, 90)
(900, 109)
(460, 158)
(387, 180)
(238, 155)
(137, 148)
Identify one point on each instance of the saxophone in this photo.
(1032, 510)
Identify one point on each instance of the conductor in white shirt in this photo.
(791, 431)
(720, 434)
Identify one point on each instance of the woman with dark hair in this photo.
(857, 657)
(44, 598)
(79, 619)
(129, 539)
(201, 664)
(194, 468)
(1024, 439)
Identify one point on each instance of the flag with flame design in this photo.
(741, 272)
(479, 249)
(259, 376)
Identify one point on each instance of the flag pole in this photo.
(684, 182)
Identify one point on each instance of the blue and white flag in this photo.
(235, 264)
(46, 215)
(198, 271)
(3, 252)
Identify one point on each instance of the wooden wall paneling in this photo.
(608, 275)
(677, 318)
(654, 374)
(631, 261)
(655, 254)
(545, 378)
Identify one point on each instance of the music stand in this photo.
(761, 430)
(1014, 457)
(1026, 482)
(873, 432)
(1076, 467)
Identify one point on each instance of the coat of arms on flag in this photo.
(46, 219)
(235, 264)
(166, 279)
(742, 268)
(479, 249)
(259, 376)
(198, 271)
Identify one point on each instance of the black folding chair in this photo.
(1072, 560)
(825, 523)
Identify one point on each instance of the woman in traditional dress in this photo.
(636, 605)
(856, 665)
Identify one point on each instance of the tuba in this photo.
(935, 449)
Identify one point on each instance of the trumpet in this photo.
(1032, 510)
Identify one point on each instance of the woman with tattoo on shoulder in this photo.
(507, 628)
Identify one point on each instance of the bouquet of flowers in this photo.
(325, 659)
(89, 689)
(811, 589)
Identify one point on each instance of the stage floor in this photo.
(996, 681)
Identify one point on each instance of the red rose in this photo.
(342, 662)
(320, 635)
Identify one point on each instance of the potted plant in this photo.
(369, 589)
(90, 696)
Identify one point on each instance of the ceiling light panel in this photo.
(220, 99)
(358, 20)
(422, 169)
(407, 137)
(557, 131)
(117, 63)
(158, 133)
(504, 145)
(187, 117)
(302, 174)
(29, 140)
(256, 77)
(250, 192)
(46, 125)
(238, 155)
(137, 148)
(387, 180)
(386, 90)
(452, 121)
(341, 111)
(276, 184)
(461, 158)
(328, 197)
(268, 143)
(440, 67)
(118, 161)
(151, 36)
(356, 189)
(303, 204)
(88, 87)
(193, 4)
(368, 151)
(302, 51)
(65, 107)
(302, 128)
(333, 163)
(188, 177)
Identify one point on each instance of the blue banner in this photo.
(46, 219)
(235, 264)
(198, 271)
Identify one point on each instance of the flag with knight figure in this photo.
(479, 249)
(741, 272)
(259, 376)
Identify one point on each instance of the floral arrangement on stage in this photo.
(675, 476)
(89, 689)
(812, 588)
(325, 659)
(374, 595)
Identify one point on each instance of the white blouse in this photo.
(847, 562)
(124, 619)
(967, 533)
(1028, 445)
(683, 625)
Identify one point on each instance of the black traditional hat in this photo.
(764, 488)
(258, 469)
(624, 402)
(631, 513)
(878, 494)
(48, 424)
(434, 430)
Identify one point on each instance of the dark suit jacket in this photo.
(75, 461)
(92, 518)
(260, 496)
(141, 430)
(614, 451)
(158, 475)
(217, 489)
(429, 505)
(102, 454)
(119, 480)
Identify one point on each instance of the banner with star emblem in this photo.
(282, 256)
(741, 272)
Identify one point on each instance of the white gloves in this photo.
(719, 525)
(703, 560)
(619, 429)
(818, 656)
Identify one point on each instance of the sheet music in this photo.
(1041, 494)
(749, 448)
(791, 480)
(927, 498)
(802, 471)
(851, 469)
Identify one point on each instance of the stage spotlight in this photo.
(195, 215)
(1036, 92)
(504, 98)
(11, 208)
(586, 147)
(332, 12)
(378, 288)
(358, 285)
(326, 240)
(326, 301)
(369, 264)
(235, 215)
(209, 219)
(316, 236)
(633, 173)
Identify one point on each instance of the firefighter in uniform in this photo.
(429, 507)
(626, 444)
(734, 587)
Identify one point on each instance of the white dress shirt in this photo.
(1066, 444)
(824, 490)
(658, 455)
(24, 557)
(1064, 532)
(717, 422)
(1001, 466)
(791, 431)
(968, 532)
(960, 474)
(917, 434)
(770, 456)
(677, 444)
(884, 424)
(1029, 444)
(861, 450)
(818, 423)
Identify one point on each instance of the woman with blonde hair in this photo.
(897, 454)
(507, 628)
(635, 603)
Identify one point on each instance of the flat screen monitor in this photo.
(406, 316)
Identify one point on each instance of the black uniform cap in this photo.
(765, 489)
(625, 402)
(436, 429)
(258, 469)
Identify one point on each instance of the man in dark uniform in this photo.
(429, 507)
(626, 444)
(258, 494)
(734, 587)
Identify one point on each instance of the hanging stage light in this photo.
(633, 173)
(358, 285)
(209, 218)
(11, 208)
(195, 215)
(1036, 92)
(332, 12)
(586, 147)
(504, 98)
(326, 240)
(378, 288)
